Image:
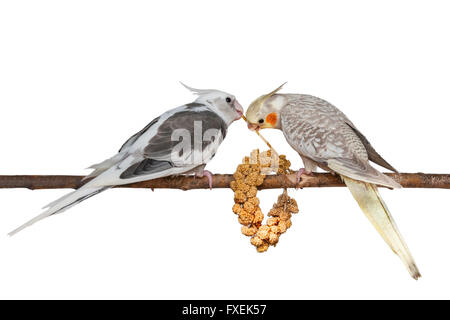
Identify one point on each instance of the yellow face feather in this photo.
(253, 113)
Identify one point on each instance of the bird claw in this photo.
(208, 174)
(300, 173)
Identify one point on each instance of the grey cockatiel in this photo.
(324, 137)
(182, 140)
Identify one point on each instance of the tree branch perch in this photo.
(407, 180)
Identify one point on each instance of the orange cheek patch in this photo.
(272, 118)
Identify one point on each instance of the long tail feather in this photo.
(373, 206)
(65, 202)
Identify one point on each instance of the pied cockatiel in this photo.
(324, 137)
(180, 141)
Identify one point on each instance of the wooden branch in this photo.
(407, 180)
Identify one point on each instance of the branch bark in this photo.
(407, 180)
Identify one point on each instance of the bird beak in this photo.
(239, 109)
(252, 126)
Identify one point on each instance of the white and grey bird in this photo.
(324, 137)
(180, 141)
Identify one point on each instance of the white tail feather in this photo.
(373, 206)
(62, 204)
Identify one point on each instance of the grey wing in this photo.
(316, 129)
(323, 135)
(186, 139)
(321, 113)
(374, 156)
(136, 136)
(101, 167)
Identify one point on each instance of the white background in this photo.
(77, 78)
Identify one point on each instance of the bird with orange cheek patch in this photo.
(324, 137)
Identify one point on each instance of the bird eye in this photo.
(228, 99)
(261, 120)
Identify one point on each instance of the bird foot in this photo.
(300, 173)
(205, 173)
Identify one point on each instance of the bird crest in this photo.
(198, 91)
(256, 105)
